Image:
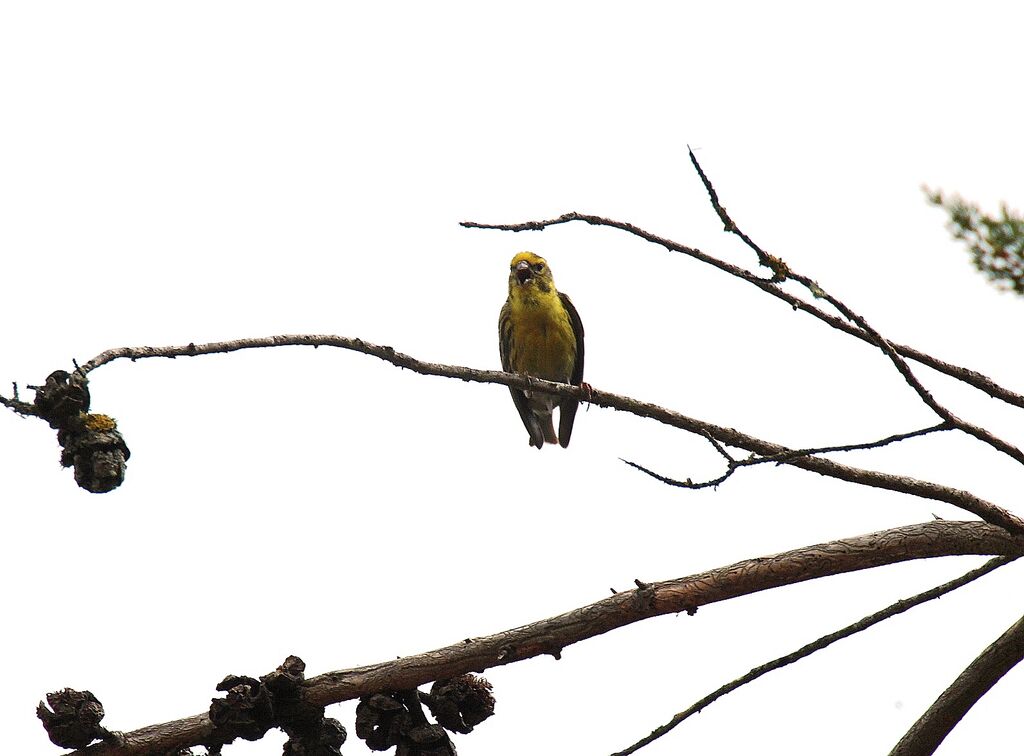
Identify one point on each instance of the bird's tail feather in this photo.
(549, 429)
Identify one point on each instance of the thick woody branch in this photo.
(974, 682)
(729, 436)
(551, 636)
(970, 377)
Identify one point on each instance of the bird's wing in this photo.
(577, 329)
(568, 407)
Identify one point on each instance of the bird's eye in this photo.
(538, 267)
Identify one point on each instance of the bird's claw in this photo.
(588, 392)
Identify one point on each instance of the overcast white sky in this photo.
(196, 171)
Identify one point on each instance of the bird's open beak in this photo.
(523, 272)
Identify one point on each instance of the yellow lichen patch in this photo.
(97, 422)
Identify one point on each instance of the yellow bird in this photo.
(540, 334)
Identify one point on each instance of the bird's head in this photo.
(528, 269)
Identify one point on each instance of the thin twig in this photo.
(729, 436)
(550, 636)
(719, 448)
(928, 732)
(732, 465)
(824, 642)
(688, 483)
(970, 377)
(786, 456)
(780, 271)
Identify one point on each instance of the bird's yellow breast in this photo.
(542, 340)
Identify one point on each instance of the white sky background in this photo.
(198, 171)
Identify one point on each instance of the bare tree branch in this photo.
(16, 404)
(970, 377)
(551, 636)
(925, 736)
(824, 642)
(782, 271)
(728, 436)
